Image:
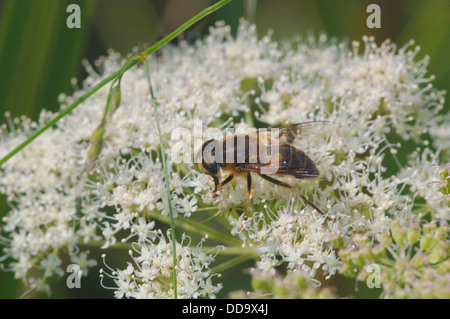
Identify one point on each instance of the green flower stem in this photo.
(100, 243)
(232, 262)
(193, 226)
(217, 216)
(26, 293)
(166, 180)
(224, 251)
(112, 103)
(61, 115)
(233, 250)
(129, 64)
(207, 209)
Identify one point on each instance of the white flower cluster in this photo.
(150, 275)
(370, 95)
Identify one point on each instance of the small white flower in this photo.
(83, 262)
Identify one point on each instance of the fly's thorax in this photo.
(247, 149)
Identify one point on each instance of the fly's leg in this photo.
(249, 193)
(280, 183)
(218, 185)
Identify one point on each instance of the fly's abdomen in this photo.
(297, 163)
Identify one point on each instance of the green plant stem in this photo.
(231, 263)
(232, 250)
(207, 209)
(166, 180)
(128, 65)
(26, 293)
(193, 226)
(100, 243)
(223, 250)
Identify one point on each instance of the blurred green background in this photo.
(39, 55)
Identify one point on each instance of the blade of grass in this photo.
(41, 40)
(111, 77)
(63, 61)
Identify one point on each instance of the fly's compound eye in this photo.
(209, 163)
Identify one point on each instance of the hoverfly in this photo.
(261, 154)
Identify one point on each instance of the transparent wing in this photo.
(300, 133)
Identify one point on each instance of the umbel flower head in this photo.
(380, 209)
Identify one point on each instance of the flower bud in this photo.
(419, 259)
(344, 253)
(444, 267)
(398, 233)
(445, 177)
(359, 256)
(428, 227)
(442, 291)
(280, 289)
(379, 251)
(440, 233)
(385, 239)
(360, 239)
(336, 239)
(347, 270)
(427, 242)
(300, 279)
(439, 253)
(261, 282)
(413, 233)
(96, 147)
